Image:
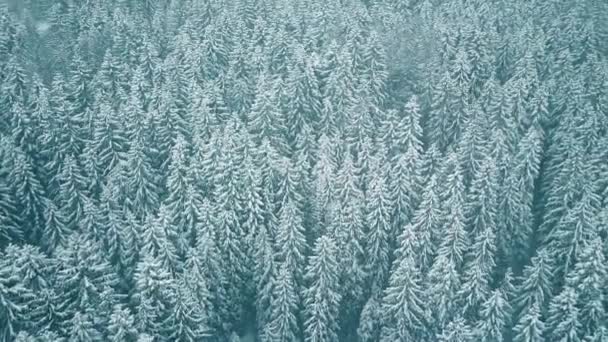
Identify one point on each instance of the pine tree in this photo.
(12, 306)
(183, 323)
(10, 224)
(587, 278)
(346, 223)
(254, 212)
(577, 226)
(71, 188)
(79, 94)
(445, 273)
(154, 294)
(264, 277)
(303, 104)
(563, 317)
(478, 271)
(29, 192)
(85, 279)
(530, 327)
(371, 318)
(83, 329)
(209, 255)
(24, 337)
(515, 206)
(494, 317)
(143, 186)
(121, 325)
(157, 240)
(405, 180)
(291, 242)
(403, 304)
(322, 297)
(456, 330)
(34, 270)
(49, 336)
(443, 106)
(109, 222)
(55, 231)
(266, 119)
(108, 138)
(283, 322)
(14, 91)
(178, 186)
(378, 225)
(426, 223)
(599, 335)
(535, 287)
(198, 285)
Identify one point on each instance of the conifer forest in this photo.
(304, 171)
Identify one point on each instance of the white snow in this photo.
(42, 27)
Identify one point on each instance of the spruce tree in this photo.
(322, 297)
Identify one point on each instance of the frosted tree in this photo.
(535, 288)
(121, 325)
(254, 212)
(14, 90)
(515, 204)
(283, 321)
(83, 329)
(456, 330)
(426, 223)
(12, 306)
(370, 321)
(82, 259)
(564, 241)
(184, 321)
(444, 100)
(322, 297)
(405, 179)
(378, 224)
(405, 317)
(198, 285)
(478, 271)
(71, 190)
(494, 317)
(209, 255)
(563, 317)
(530, 327)
(266, 119)
(143, 182)
(322, 175)
(109, 139)
(445, 273)
(587, 278)
(29, 192)
(34, 270)
(158, 236)
(345, 215)
(55, 231)
(50, 336)
(155, 292)
(24, 337)
(45, 310)
(291, 243)
(180, 202)
(10, 229)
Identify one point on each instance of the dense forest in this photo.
(310, 170)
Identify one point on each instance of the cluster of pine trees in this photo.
(311, 170)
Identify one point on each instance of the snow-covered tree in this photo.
(322, 297)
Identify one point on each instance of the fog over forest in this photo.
(304, 170)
